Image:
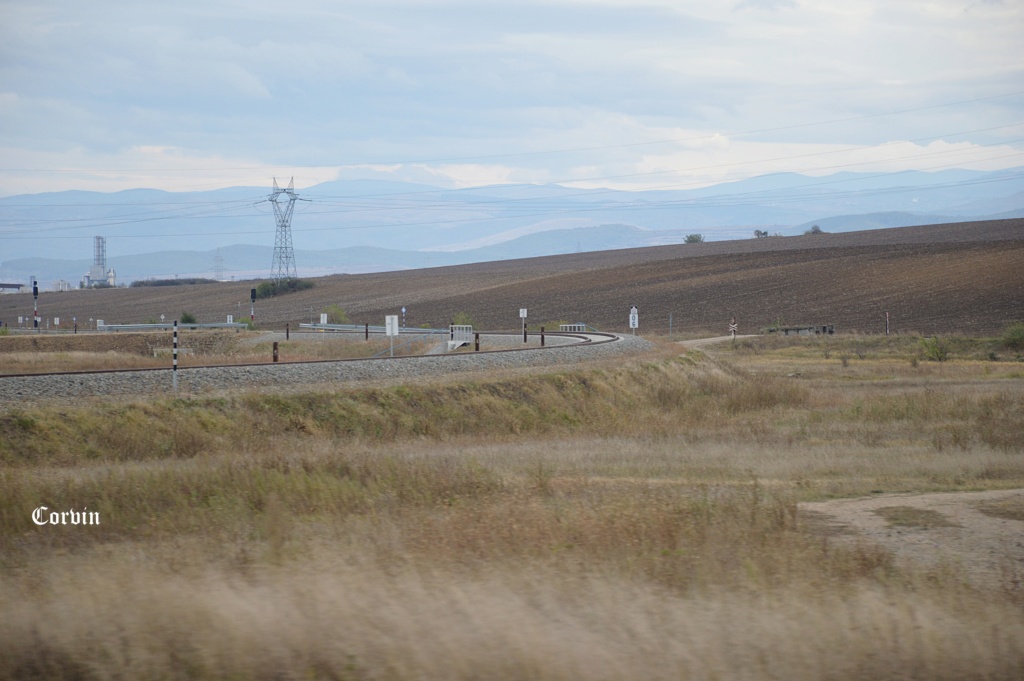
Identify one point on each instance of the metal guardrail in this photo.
(361, 328)
(168, 325)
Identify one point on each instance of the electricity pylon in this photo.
(283, 266)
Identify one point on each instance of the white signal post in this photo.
(522, 315)
(391, 328)
(634, 319)
(733, 327)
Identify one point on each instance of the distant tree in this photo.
(760, 234)
(814, 230)
(187, 318)
(694, 239)
(278, 287)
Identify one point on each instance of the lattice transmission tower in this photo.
(283, 266)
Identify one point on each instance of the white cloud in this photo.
(362, 84)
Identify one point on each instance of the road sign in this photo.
(231, 318)
(733, 327)
(522, 313)
(634, 318)
(391, 324)
(323, 317)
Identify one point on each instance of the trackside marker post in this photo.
(391, 328)
(174, 365)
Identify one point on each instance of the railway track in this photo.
(70, 385)
(583, 338)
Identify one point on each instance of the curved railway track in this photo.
(71, 385)
(585, 338)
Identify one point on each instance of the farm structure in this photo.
(822, 330)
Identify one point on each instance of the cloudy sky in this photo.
(200, 94)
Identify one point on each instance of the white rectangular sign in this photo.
(391, 324)
(634, 319)
(56, 321)
(323, 317)
(231, 319)
(522, 313)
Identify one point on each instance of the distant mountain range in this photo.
(364, 226)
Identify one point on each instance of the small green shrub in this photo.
(934, 349)
(463, 319)
(187, 318)
(336, 315)
(1013, 337)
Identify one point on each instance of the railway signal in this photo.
(733, 327)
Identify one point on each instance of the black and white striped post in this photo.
(174, 352)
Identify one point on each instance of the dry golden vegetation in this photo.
(633, 520)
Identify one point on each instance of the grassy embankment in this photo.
(630, 521)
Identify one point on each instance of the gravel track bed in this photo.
(208, 379)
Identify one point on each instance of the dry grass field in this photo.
(958, 278)
(635, 519)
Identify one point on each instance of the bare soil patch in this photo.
(981, 533)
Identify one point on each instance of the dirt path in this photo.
(979, 532)
(705, 342)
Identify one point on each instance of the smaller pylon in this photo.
(218, 266)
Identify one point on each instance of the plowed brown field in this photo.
(957, 278)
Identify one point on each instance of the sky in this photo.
(191, 95)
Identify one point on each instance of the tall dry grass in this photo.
(334, 616)
(630, 521)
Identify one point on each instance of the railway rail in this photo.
(584, 338)
(16, 389)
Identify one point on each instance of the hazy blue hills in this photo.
(359, 226)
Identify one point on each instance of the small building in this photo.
(822, 330)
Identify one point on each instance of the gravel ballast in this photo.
(208, 379)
